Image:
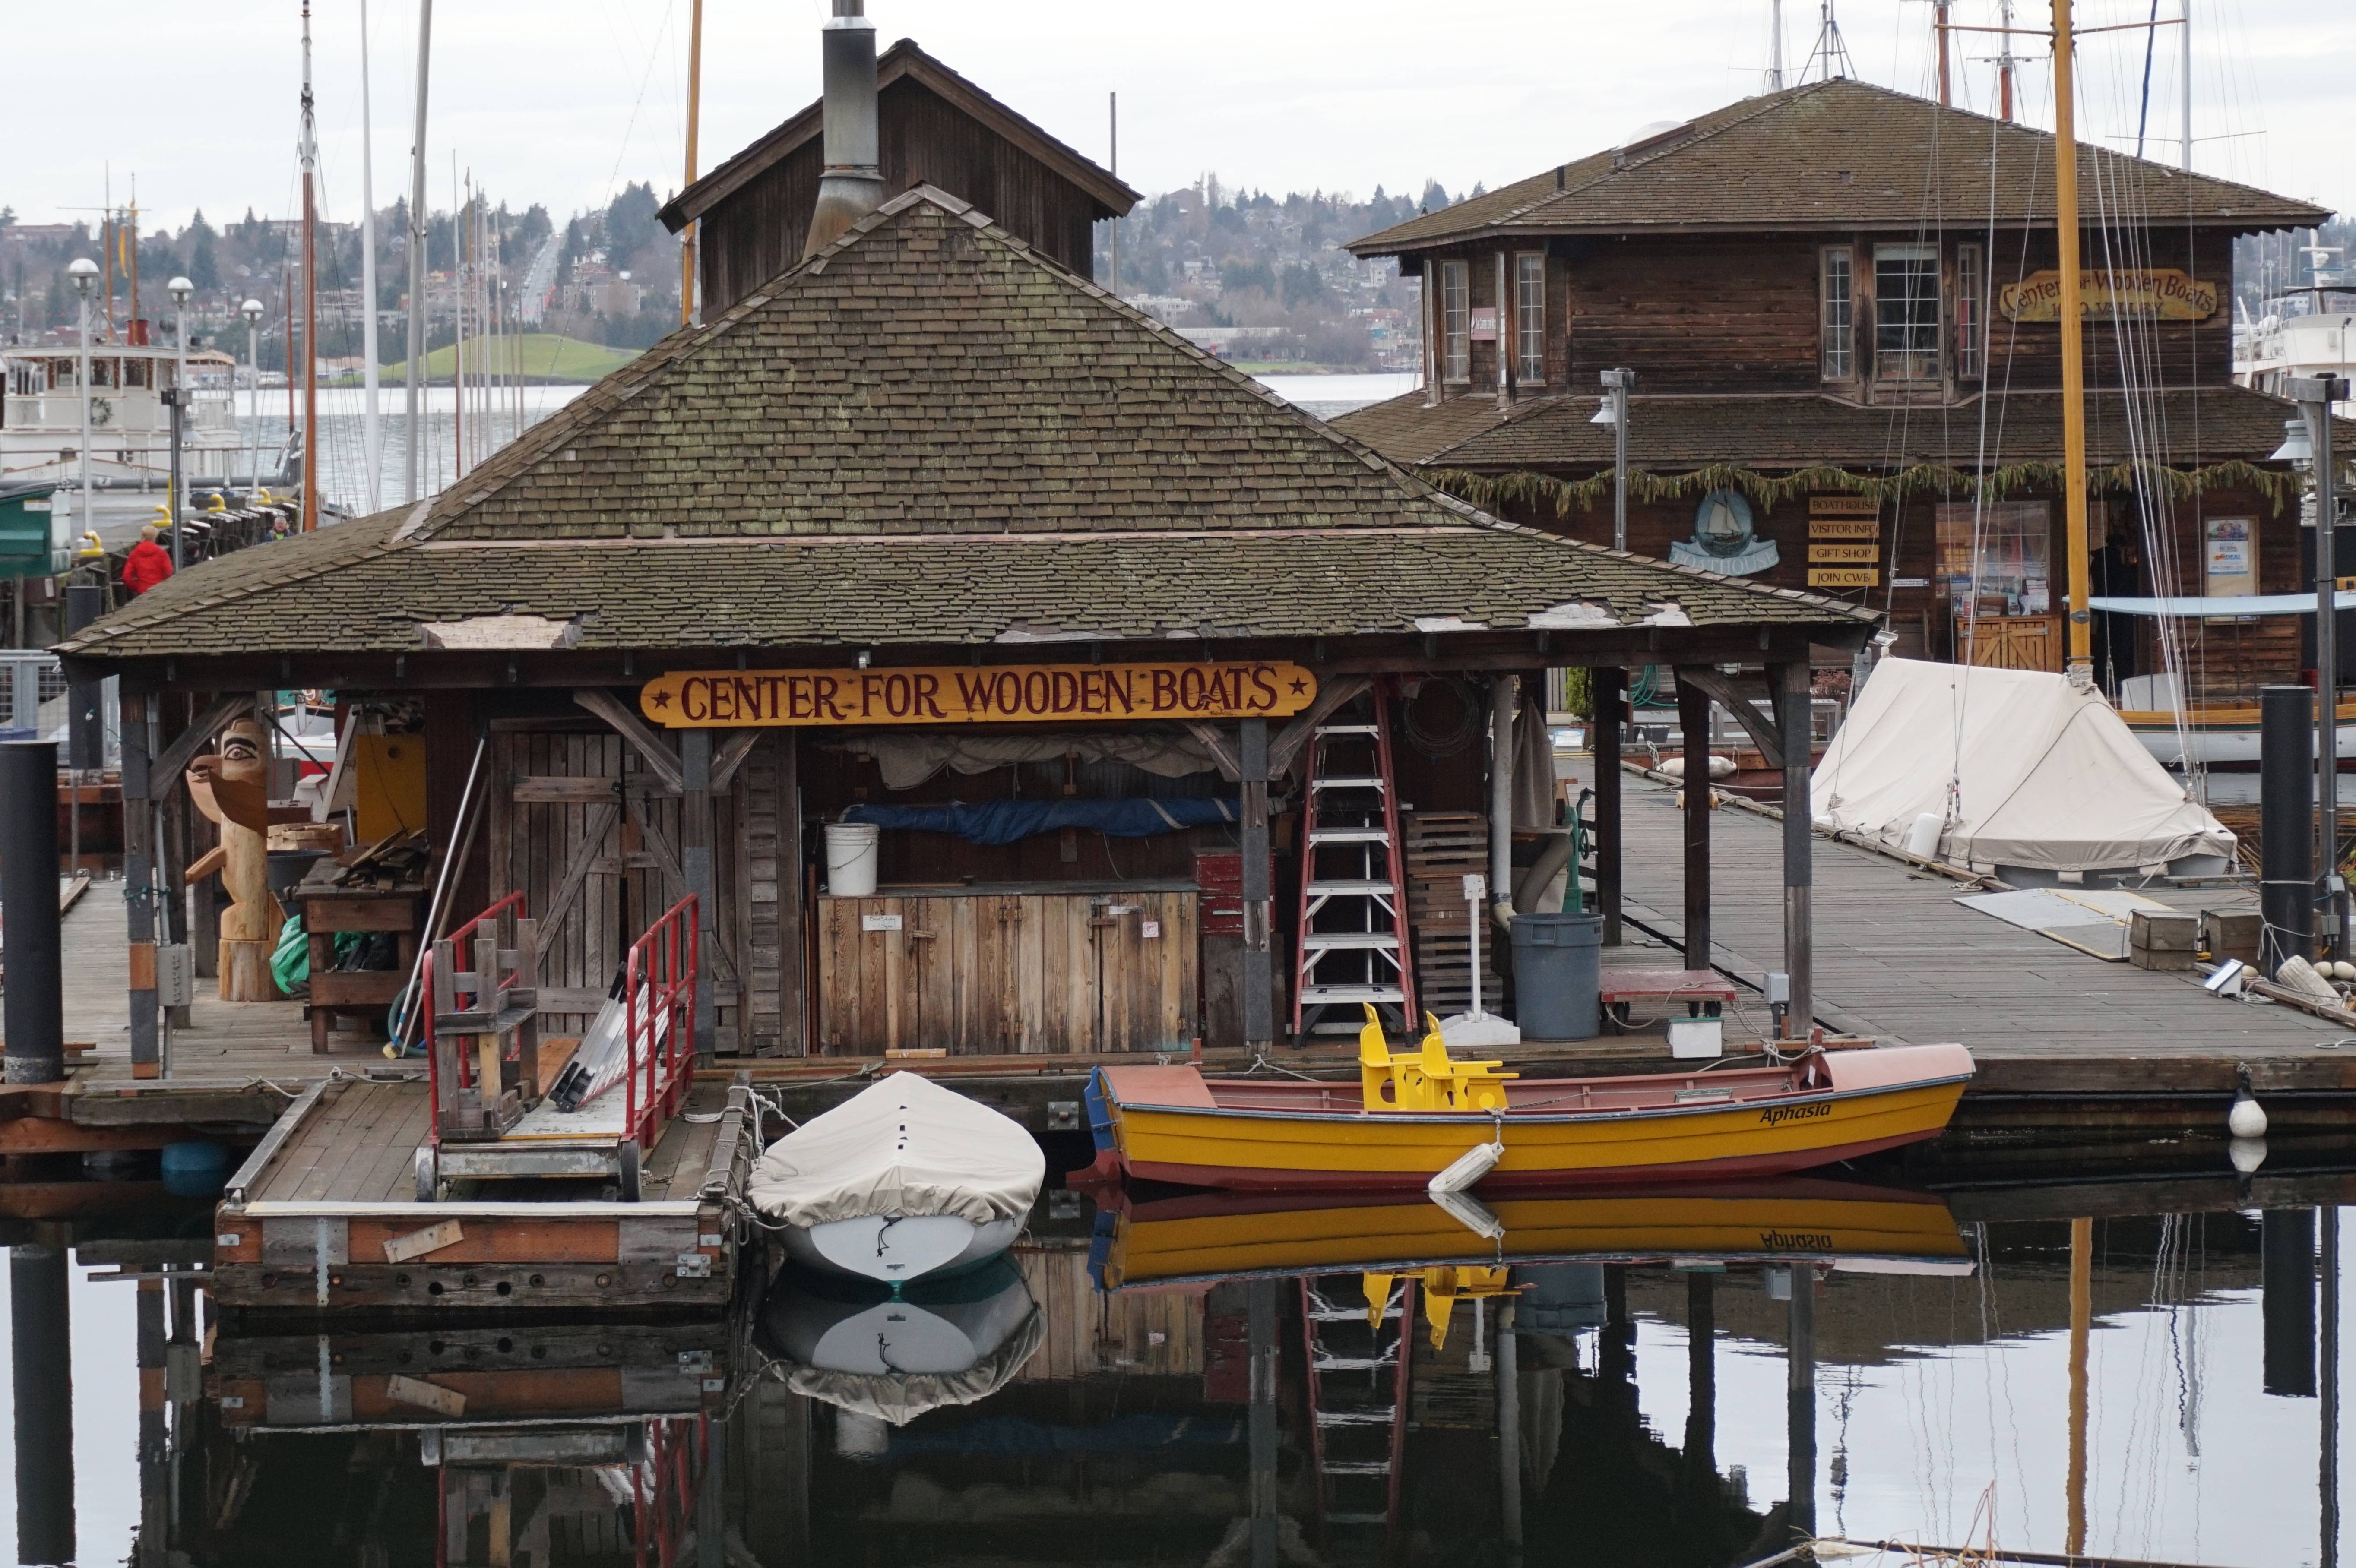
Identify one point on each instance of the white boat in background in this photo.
(131, 430)
(903, 1181)
(2222, 736)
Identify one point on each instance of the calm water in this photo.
(1619, 1392)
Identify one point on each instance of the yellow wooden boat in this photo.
(1170, 1123)
(1208, 1236)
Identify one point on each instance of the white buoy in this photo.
(2247, 1154)
(2247, 1119)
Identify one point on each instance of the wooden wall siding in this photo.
(757, 232)
(627, 860)
(767, 850)
(1692, 315)
(1131, 1332)
(990, 974)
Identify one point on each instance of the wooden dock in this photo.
(324, 1217)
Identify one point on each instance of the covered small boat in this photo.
(905, 1179)
(1170, 1123)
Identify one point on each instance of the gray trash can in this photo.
(1558, 974)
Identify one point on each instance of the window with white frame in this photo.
(1456, 320)
(1529, 317)
(1971, 313)
(1906, 312)
(1839, 289)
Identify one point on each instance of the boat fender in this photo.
(1468, 1168)
(2247, 1119)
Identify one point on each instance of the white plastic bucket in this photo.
(853, 849)
(1923, 838)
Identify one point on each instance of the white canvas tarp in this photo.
(904, 1146)
(2044, 777)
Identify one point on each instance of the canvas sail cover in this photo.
(2044, 776)
(904, 1145)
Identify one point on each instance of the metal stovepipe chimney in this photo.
(853, 186)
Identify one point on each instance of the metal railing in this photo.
(33, 704)
(658, 986)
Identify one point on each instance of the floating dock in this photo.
(324, 1217)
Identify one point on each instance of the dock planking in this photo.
(1897, 958)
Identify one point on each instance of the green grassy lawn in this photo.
(536, 356)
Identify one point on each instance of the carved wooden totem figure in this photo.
(233, 787)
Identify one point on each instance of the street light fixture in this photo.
(1617, 384)
(177, 400)
(251, 311)
(84, 272)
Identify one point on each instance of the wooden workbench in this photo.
(327, 910)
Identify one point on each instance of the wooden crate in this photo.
(1440, 850)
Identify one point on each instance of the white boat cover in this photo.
(2043, 776)
(904, 1146)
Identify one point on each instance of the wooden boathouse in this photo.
(1838, 304)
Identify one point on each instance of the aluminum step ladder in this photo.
(1358, 1360)
(1353, 941)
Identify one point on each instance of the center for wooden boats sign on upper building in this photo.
(1001, 694)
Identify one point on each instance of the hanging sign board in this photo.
(1843, 554)
(2162, 292)
(1844, 527)
(1485, 324)
(961, 694)
(1843, 577)
(1843, 506)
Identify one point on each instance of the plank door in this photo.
(556, 836)
(1146, 985)
(1009, 974)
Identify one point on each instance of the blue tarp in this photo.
(1004, 821)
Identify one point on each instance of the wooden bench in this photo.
(1705, 992)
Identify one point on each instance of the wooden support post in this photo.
(172, 913)
(1260, 900)
(1693, 725)
(793, 976)
(138, 885)
(1608, 688)
(1790, 683)
(695, 862)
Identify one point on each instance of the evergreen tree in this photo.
(204, 265)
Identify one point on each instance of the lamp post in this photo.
(1614, 412)
(251, 311)
(179, 289)
(84, 272)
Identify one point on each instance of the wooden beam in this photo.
(1608, 693)
(1693, 719)
(633, 729)
(1289, 740)
(1222, 750)
(591, 843)
(173, 760)
(1722, 690)
(730, 756)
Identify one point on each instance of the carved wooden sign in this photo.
(993, 694)
(2162, 292)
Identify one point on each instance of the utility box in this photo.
(2232, 933)
(2163, 939)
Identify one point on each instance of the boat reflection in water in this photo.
(881, 1356)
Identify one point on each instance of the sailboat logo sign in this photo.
(2162, 292)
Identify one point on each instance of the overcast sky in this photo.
(561, 101)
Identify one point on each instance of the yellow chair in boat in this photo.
(1428, 1081)
(1460, 1085)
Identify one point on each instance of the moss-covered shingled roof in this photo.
(1835, 154)
(927, 433)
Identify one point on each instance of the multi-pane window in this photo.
(1906, 312)
(1456, 320)
(1971, 323)
(1839, 289)
(1529, 317)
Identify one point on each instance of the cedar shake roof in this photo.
(906, 60)
(1802, 430)
(926, 434)
(1835, 156)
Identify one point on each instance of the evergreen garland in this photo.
(1498, 492)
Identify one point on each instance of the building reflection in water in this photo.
(1185, 1379)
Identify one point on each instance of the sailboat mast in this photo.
(310, 294)
(694, 95)
(372, 436)
(2074, 366)
(413, 427)
(457, 328)
(2184, 70)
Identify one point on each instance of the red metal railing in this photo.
(459, 940)
(658, 988)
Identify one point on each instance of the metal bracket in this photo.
(695, 1266)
